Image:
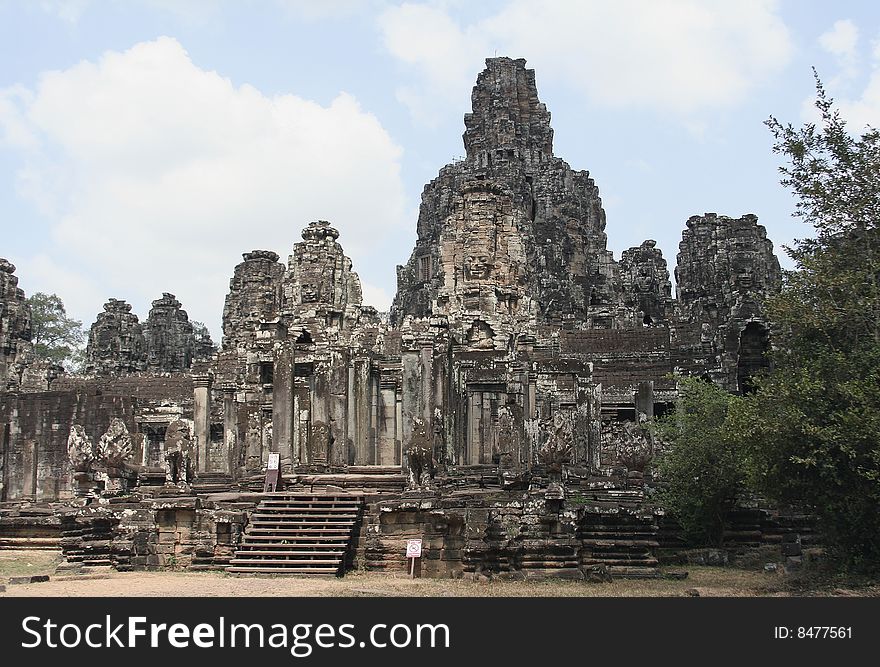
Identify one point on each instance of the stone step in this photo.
(311, 498)
(309, 509)
(277, 561)
(302, 516)
(261, 569)
(294, 539)
(624, 562)
(296, 531)
(30, 542)
(310, 506)
(263, 551)
(374, 470)
(292, 522)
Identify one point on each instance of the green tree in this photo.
(204, 346)
(56, 337)
(812, 430)
(700, 466)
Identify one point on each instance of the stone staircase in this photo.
(299, 533)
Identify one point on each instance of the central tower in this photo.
(512, 236)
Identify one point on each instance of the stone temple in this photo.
(496, 412)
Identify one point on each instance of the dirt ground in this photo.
(708, 581)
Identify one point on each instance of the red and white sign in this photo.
(413, 548)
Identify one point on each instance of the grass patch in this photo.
(19, 563)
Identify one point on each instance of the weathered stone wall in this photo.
(34, 455)
(520, 535)
(153, 533)
(35, 458)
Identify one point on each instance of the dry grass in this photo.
(17, 563)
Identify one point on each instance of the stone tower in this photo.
(15, 327)
(116, 342)
(168, 335)
(511, 236)
(645, 282)
(725, 270)
(254, 296)
(320, 287)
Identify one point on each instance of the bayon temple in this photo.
(497, 411)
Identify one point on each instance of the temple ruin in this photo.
(496, 412)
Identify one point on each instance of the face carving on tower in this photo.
(742, 271)
(478, 266)
(309, 294)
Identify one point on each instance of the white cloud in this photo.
(446, 55)
(376, 296)
(158, 174)
(191, 11)
(312, 10)
(842, 40)
(864, 110)
(82, 295)
(678, 56)
(68, 11)
(857, 108)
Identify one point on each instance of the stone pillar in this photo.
(474, 412)
(319, 437)
(202, 419)
(386, 439)
(337, 409)
(398, 429)
(645, 399)
(230, 430)
(282, 403)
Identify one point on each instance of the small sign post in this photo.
(273, 472)
(413, 551)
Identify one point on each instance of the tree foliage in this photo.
(700, 467)
(812, 430)
(56, 337)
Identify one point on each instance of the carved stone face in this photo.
(743, 273)
(309, 294)
(478, 267)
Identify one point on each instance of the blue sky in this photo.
(145, 144)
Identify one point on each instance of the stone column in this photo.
(474, 412)
(202, 419)
(386, 439)
(282, 403)
(230, 429)
(645, 399)
(337, 408)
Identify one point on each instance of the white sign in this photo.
(274, 461)
(413, 548)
